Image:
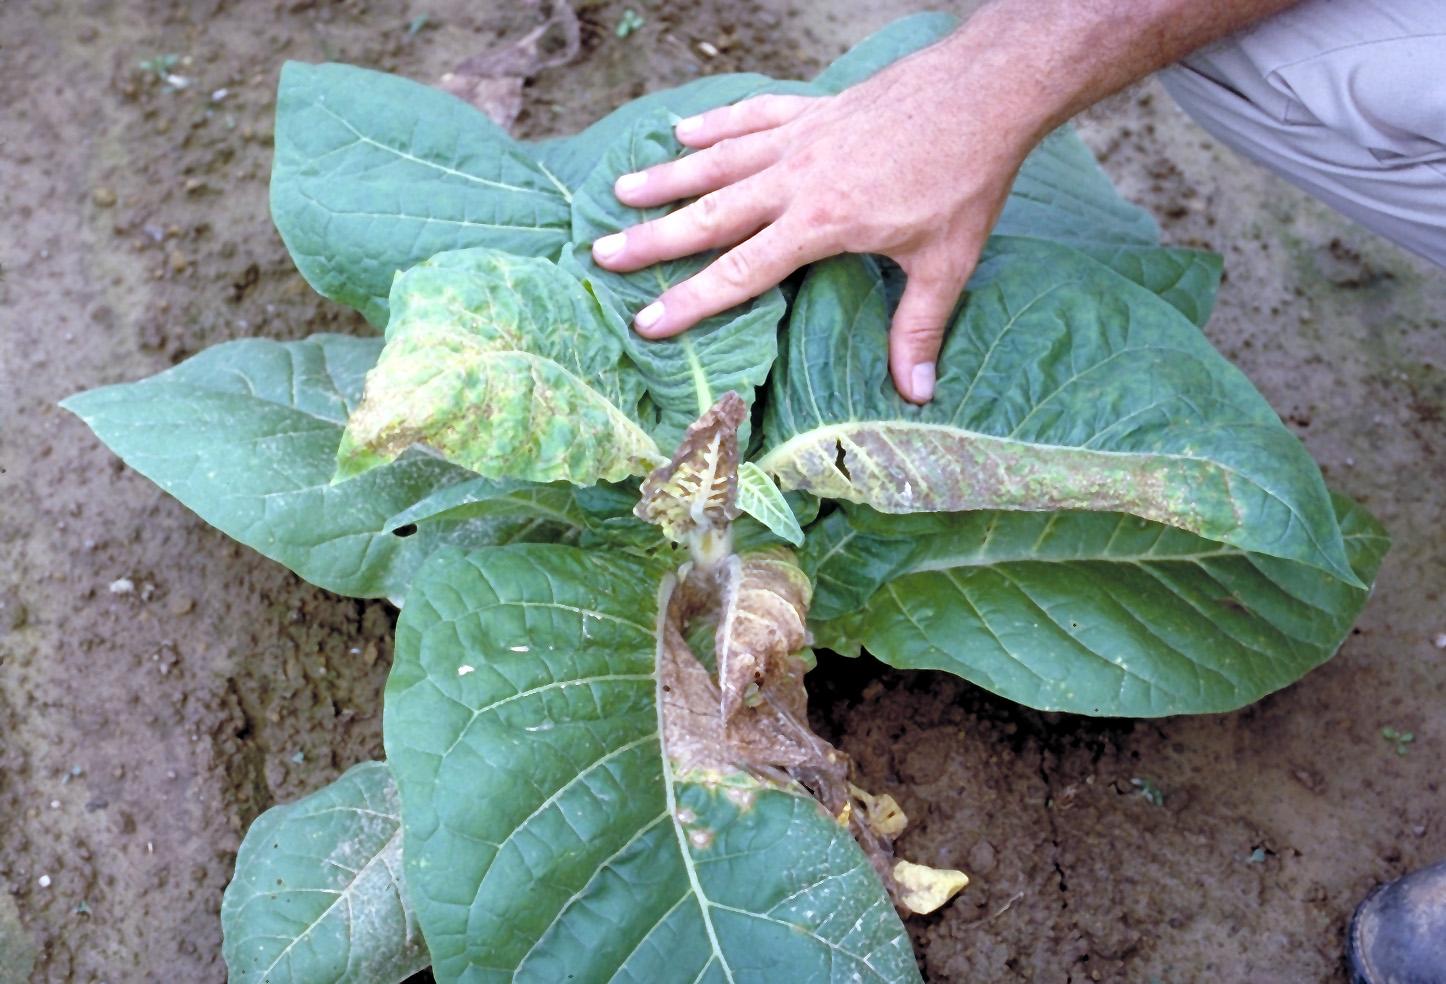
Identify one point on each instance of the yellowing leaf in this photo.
(504, 365)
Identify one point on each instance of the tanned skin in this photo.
(914, 163)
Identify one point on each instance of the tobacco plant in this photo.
(614, 555)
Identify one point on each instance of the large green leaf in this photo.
(547, 838)
(246, 434)
(504, 365)
(1062, 195)
(1061, 386)
(1094, 613)
(885, 46)
(318, 896)
(685, 374)
(374, 173)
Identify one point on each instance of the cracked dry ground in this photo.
(140, 732)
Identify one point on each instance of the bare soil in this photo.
(160, 685)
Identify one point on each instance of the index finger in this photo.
(744, 272)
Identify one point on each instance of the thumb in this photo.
(917, 332)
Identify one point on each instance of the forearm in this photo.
(1051, 59)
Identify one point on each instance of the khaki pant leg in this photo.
(1344, 98)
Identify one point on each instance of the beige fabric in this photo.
(1344, 98)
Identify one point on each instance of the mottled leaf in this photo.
(1061, 386)
(885, 46)
(375, 173)
(548, 836)
(246, 434)
(1085, 612)
(687, 373)
(318, 896)
(503, 365)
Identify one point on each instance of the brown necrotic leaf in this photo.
(696, 492)
(753, 718)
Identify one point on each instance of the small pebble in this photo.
(1440, 640)
(122, 585)
(103, 197)
(43, 881)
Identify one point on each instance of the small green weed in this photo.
(1400, 739)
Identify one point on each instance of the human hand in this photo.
(902, 165)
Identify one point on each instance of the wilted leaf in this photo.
(318, 896)
(1061, 386)
(246, 435)
(548, 835)
(503, 365)
(1084, 612)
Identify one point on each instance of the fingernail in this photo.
(630, 182)
(921, 381)
(649, 315)
(687, 126)
(610, 245)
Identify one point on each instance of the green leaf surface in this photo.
(485, 498)
(1062, 195)
(761, 499)
(506, 366)
(1094, 613)
(374, 173)
(1061, 386)
(318, 896)
(685, 374)
(547, 838)
(885, 46)
(246, 435)
(1185, 278)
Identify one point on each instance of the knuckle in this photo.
(707, 213)
(736, 269)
